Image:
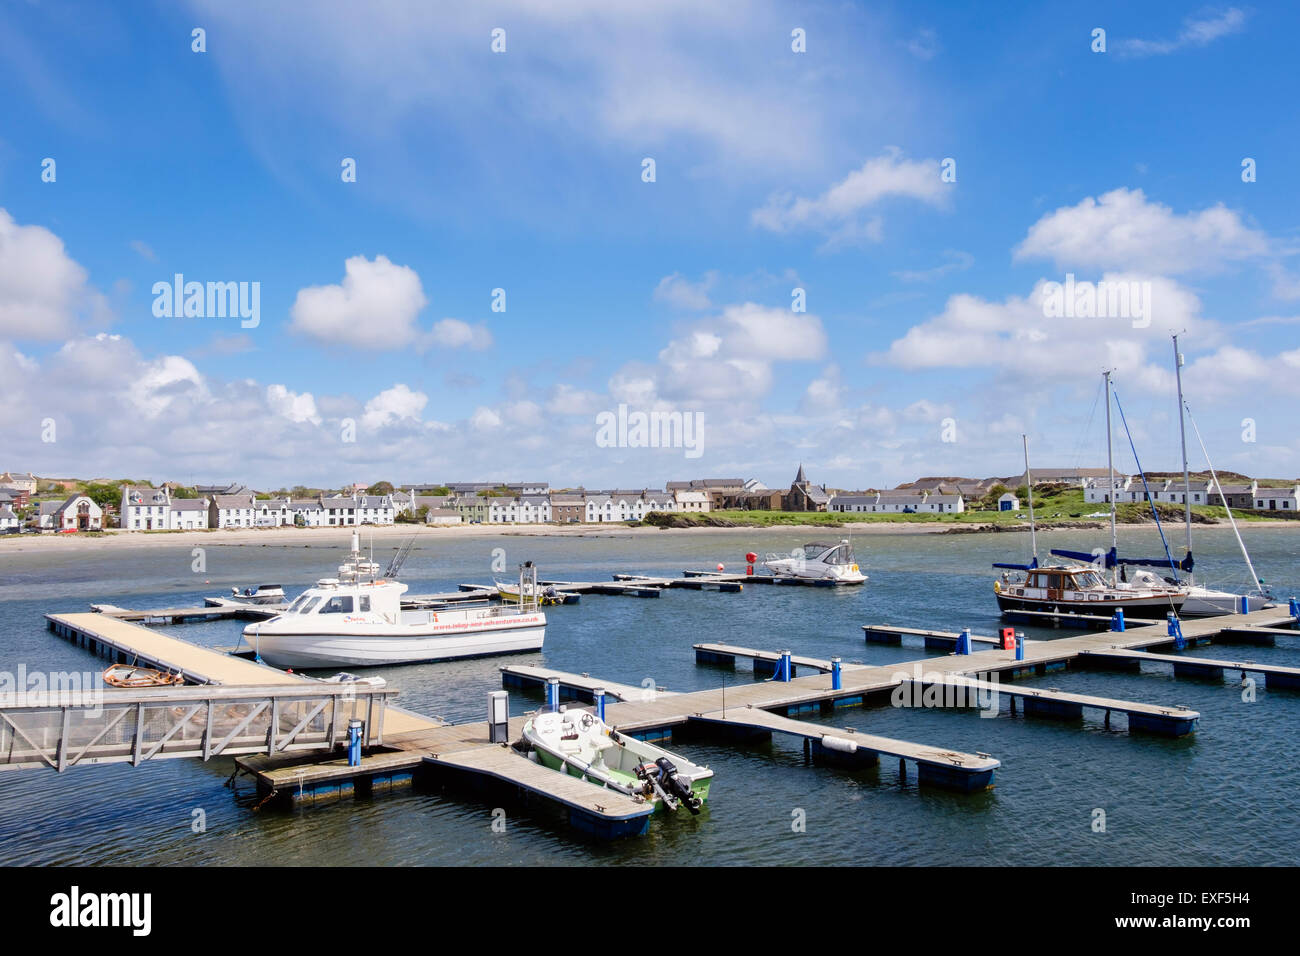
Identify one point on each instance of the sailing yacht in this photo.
(1200, 601)
(1203, 601)
(1064, 590)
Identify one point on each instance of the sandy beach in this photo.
(338, 537)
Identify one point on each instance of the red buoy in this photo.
(751, 557)
(719, 565)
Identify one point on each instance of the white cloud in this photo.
(484, 419)
(730, 356)
(44, 294)
(1197, 31)
(567, 400)
(1122, 230)
(957, 262)
(396, 404)
(454, 334)
(1016, 338)
(144, 250)
(295, 406)
(836, 210)
(374, 308)
(681, 293)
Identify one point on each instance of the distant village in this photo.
(29, 503)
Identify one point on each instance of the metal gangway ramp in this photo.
(61, 729)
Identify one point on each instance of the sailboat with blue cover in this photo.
(1080, 592)
(1199, 600)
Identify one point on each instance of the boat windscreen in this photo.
(840, 555)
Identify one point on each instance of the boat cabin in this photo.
(1059, 584)
(841, 553)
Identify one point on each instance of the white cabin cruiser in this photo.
(357, 620)
(835, 563)
(262, 594)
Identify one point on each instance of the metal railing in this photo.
(62, 729)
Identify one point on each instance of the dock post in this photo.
(1295, 608)
(963, 641)
(1117, 620)
(784, 667)
(837, 677)
(553, 694)
(1176, 631)
(354, 742)
(498, 717)
(1243, 604)
(1020, 647)
(599, 694)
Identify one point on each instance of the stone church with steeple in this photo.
(804, 495)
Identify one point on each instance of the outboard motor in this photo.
(651, 774)
(668, 774)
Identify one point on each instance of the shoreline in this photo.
(337, 537)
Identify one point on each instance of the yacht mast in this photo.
(1182, 434)
(1029, 489)
(1110, 467)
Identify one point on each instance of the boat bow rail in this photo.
(60, 729)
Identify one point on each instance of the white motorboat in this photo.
(582, 745)
(357, 620)
(834, 563)
(262, 594)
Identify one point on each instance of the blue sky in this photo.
(522, 170)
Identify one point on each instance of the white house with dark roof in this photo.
(76, 513)
(188, 514)
(144, 508)
(898, 502)
(375, 509)
(8, 520)
(232, 511)
(306, 512)
(1278, 499)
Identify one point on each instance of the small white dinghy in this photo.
(581, 744)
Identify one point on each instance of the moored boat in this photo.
(357, 620)
(817, 561)
(262, 594)
(134, 676)
(579, 743)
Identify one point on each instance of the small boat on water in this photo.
(1065, 589)
(262, 594)
(356, 620)
(579, 743)
(134, 676)
(547, 596)
(835, 563)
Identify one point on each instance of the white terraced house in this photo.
(526, 509)
(188, 514)
(233, 511)
(376, 509)
(599, 507)
(340, 510)
(1094, 490)
(1278, 499)
(8, 520)
(306, 512)
(659, 501)
(924, 502)
(144, 508)
(272, 513)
